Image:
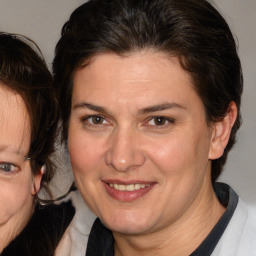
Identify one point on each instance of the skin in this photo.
(137, 120)
(17, 184)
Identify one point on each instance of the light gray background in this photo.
(41, 20)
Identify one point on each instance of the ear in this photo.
(221, 132)
(36, 184)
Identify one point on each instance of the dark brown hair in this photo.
(192, 30)
(23, 71)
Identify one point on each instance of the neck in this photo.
(179, 238)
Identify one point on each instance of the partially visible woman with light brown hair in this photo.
(28, 125)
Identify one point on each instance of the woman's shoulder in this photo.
(239, 237)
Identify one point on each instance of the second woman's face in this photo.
(138, 141)
(16, 180)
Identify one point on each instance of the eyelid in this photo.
(91, 116)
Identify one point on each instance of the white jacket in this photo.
(239, 238)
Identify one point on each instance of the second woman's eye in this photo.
(160, 121)
(94, 120)
(8, 168)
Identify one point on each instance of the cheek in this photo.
(13, 197)
(84, 153)
(180, 155)
(171, 154)
(86, 161)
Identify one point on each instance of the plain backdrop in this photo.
(41, 20)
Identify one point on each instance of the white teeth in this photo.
(121, 187)
(137, 186)
(130, 187)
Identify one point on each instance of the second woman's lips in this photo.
(127, 191)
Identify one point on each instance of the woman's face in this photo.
(16, 180)
(138, 141)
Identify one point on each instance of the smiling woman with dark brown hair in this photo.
(28, 123)
(150, 94)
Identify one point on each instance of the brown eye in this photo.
(160, 120)
(94, 120)
(97, 120)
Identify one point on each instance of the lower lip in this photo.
(127, 196)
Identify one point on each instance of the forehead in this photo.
(136, 65)
(140, 76)
(14, 122)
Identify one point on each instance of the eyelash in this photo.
(8, 168)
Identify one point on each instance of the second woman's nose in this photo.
(124, 152)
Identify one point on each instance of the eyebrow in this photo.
(150, 109)
(11, 150)
(91, 107)
(160, 107)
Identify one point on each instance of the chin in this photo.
(128, 229)
(129, 225)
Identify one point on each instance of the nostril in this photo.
(129, 162)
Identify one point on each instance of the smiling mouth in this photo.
(129, 187)
(127, 192)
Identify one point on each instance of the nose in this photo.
(124, 152)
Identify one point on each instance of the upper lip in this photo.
(126, 182)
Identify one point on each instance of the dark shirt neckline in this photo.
(101, 241)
